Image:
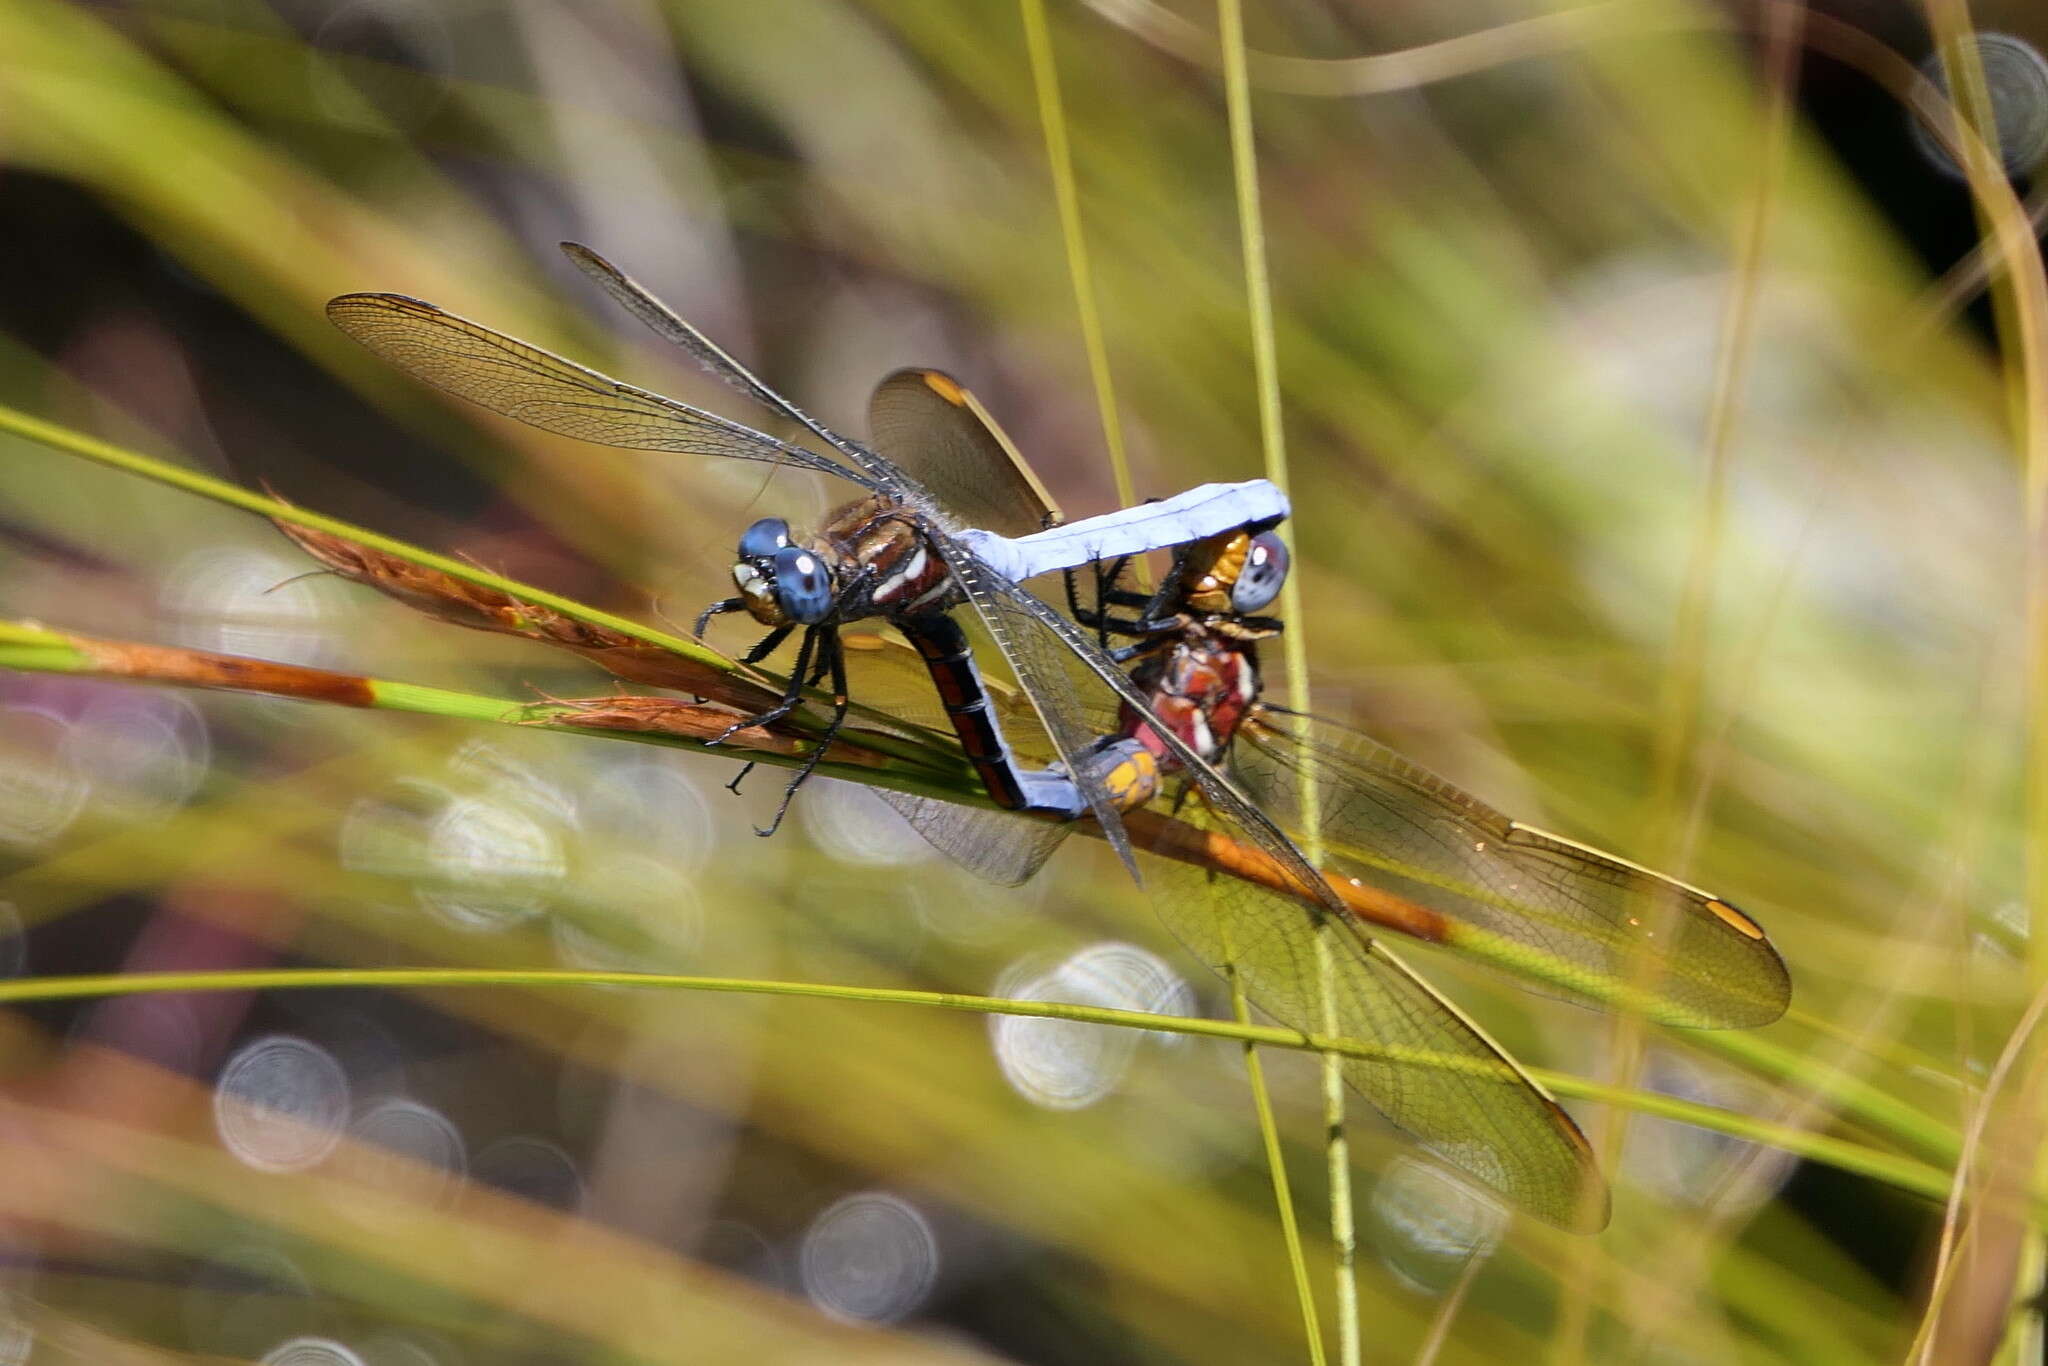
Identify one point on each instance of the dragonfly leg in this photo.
(727, 605)
(1153, 630)
(792, 696)
(1159, 629)
(734, 786)
(1138, 649)
(766, 645)
(834, 658)
(1163, 603)
(1156, 616)
(1105, 581)
(820, 646)
(824, 662)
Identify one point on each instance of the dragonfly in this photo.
(1595, 927)
(1438, 863)
(894, 552)
(1429, 1069)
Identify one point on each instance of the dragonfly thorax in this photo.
(1200, 689)
(887, 545)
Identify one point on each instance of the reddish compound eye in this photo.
(1264, 572)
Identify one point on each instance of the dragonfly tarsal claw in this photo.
(716, 609)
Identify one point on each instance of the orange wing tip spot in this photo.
(1741, 923)
(945, 387)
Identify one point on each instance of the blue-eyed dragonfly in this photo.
(897, 552)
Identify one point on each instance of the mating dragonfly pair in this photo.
(1127, 695)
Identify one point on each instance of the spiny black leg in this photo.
(791, 696)
(824, 660)
(734, 786)
(835, 656)
(831, 655)
(1162, 603)
(1137, 649)
(1108, 589)
(766, 645)
(1106, 592)
(728, 605)
(1074, 609)
(1103, 580)
(1137, 628)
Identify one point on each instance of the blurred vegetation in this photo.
(1649, 482)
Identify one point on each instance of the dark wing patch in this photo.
(939, 434)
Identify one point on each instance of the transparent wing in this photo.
(1597, 925)
(522, 381)
(891, 677)
(1030, 638)
(1444, 1081)
(667, 323)
(996, 845)
(1003, 848)
(1440, 1080)
(938, 433)
(1059, 664)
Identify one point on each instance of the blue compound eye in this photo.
(761, 540)
(802, 584)
(1265, 570)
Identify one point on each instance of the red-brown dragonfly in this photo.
(1402, 849)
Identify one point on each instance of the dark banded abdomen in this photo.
(943, 645)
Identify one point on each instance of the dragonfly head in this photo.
(1238, 573)
(782, 583)
(1263, 575)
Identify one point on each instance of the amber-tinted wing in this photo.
(1437, 1076)
(1443, 1081)
(1599, 928)
(935, 430)
(537, 387)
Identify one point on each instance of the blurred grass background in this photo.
(1711, 555)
